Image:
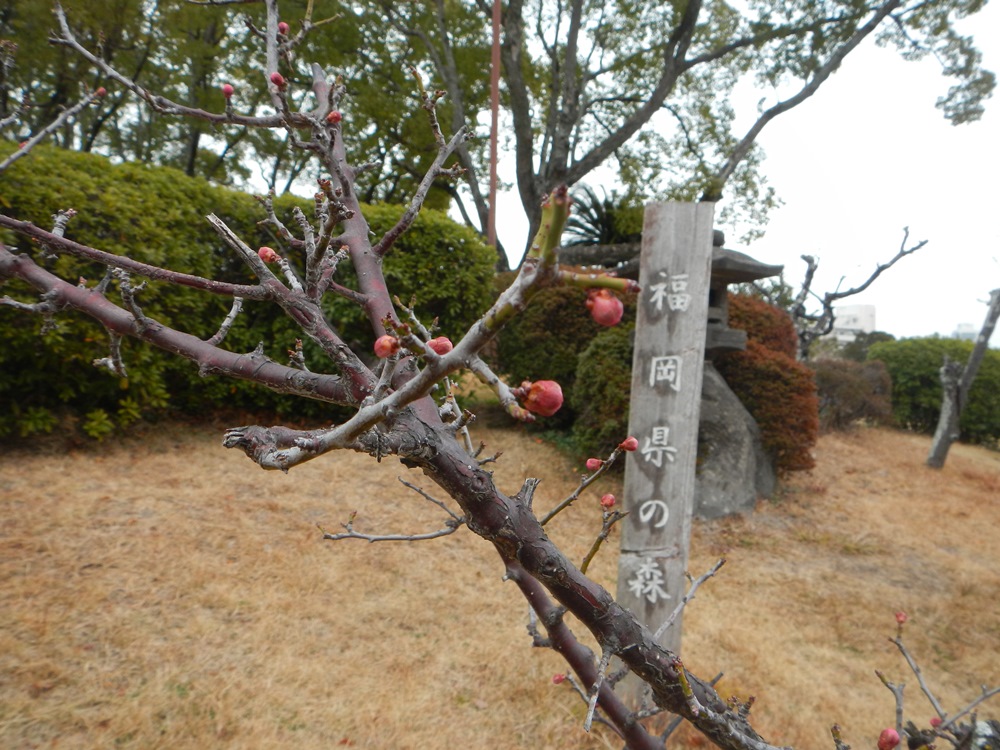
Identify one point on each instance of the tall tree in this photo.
(646, 83)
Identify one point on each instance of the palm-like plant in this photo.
(600, 221)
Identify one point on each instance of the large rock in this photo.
(733, 468)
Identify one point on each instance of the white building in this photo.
(965, 331)
(850, 320)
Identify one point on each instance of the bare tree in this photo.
(394, 412)
(956, 380)
(812, 325)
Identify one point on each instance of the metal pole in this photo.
(491, 228)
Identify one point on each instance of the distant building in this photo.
(965, 331)
(850, 320)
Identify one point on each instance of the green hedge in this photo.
(914, 366)
(156, 215)
(601, 393)
(545, 341)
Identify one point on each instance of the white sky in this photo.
(868, 155)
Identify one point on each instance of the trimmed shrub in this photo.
(776, 389)
(601, 393)
(764, 323)
(547, 338)
(156, 215)
(780, 393)
(850, 392)
(914, 366)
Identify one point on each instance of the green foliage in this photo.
(157, 216)
(777, 390)
(546, 339)
(603, 387)
(857, 350)
(850, 392)
(603, 221)
(914, 366)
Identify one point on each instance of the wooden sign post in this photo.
(675, 269)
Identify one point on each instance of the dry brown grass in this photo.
(163, 593)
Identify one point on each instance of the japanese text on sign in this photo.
(648, 582)
(657, 445)
(673, 292)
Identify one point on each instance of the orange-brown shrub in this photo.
(764, 323)
(777, 390)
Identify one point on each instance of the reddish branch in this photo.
(395, 415)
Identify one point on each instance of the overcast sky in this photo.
(868, 155)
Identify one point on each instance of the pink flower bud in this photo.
(334, 117)
(228, 90)
(440, 345)
(593, 464)
(101, 92)
(629, 444)
(278, 80)
(22, 144)
(936, 722)
(608, 501)
(888, 739)
(605, 308)
(268, 255)
(558, 679)
(901, 617)
(386, 346)
(282, 27)
(545, 397)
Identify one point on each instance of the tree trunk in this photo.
(956, 381)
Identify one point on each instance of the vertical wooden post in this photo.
(675, 270)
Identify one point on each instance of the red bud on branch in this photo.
(386, 346)
(440, 345)
(268, 255)
(888, 739)
(544, 397)
(605, 308)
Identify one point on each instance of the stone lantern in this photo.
(729, 267)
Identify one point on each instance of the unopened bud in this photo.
(334, 117)
(605, 308)
(268, 255)
(593, 464)
(282, 27)
(228, 90)
(278, 80)
(558, 679)
(440, 345)
(901, 617)
(101, 92)
(629, 444)
(888, 739)
(544, 397)
(608, 501)
(386, 346)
